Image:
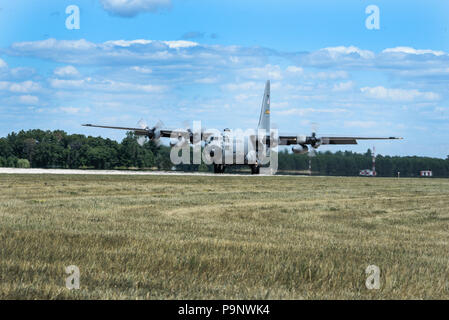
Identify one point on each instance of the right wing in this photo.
(151, 132)
(137, 131)
(312, 140)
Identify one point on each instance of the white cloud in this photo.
(105, 85)
(305, 111)
(28, 99)
(137, 52)
(66, 72)
(404, 95)
(20, 87)
(173, 44)
(67, 84)
(72, 110)
(53, 44)
(22, 72)
(336, 52)
(143, 70)
(266, 72)
(409, 50)
(343, 86)
(255, 60)
(209, 80)
(244, 86)
(131, 8)
(3, 64)
(295, 69)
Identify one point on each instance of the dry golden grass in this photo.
(221, 237)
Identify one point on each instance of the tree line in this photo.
(348, 163)
(57, 149)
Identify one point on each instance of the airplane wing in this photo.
(313, 140)
(137, 131)
(151, 132)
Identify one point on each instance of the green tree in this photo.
(23, 163)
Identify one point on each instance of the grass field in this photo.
(193, 237)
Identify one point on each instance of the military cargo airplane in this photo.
(252, 150)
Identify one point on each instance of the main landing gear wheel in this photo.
(255, 169)
(219, 168)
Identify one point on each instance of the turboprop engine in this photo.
(181, 141)
(300, 149)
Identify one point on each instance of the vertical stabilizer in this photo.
(264, 119)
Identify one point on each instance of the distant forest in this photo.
(57, 149)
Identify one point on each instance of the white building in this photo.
(367, 173)
(426, 173)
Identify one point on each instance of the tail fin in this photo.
(264, 119)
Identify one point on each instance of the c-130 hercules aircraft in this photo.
(252, 150)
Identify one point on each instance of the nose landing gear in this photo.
(219, 168)
(255, 169)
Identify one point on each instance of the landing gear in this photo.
(219, 168)
(255, 169)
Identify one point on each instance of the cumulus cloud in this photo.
(22, 72)
(266, 72)
(105, 85)
(20, 87)
(143, 70)
(3, 64)
(401, 61)
(145, 74)
(137, 52)
(337, 56)
(305, 111)
(72, 110)
(207, 80)
(131, 8)
(28, 99)
(336, 52)
(343, 86)
(294, 69)
(66, 72)
(404, 95)
(409, 50)
(395, 60)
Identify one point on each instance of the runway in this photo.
(118, 172)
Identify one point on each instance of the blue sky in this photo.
(185, 60)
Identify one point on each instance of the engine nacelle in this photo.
(156, 134)
(300, 139)
(299, 149)
(178, 142)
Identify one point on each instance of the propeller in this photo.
(153, 133)
(142, 139)
(274, 138)
(156, 133)
(315, 142)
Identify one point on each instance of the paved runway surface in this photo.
(112, 172)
